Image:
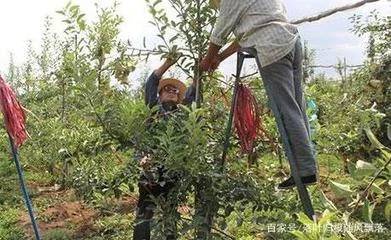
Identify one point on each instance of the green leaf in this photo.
(387, 211)
(173, 38)
(372, 138)
(326, 202)
(352, 171)
(351, 167)
(364, 169)
(386, 154)
(341, 190)
(367, 211)
(326, 217)
(67, 21)
(304, 219)
(82, 25)
(156, 3)
(376, 187)
(124, 188)
(68, 5)
(74, 8)
(152, 11)
(80, 17)
(69, 28)
(300, 235)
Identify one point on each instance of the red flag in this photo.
(14, 117)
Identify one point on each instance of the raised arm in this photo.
(190, 94)
(152, 84)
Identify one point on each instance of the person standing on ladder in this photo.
(261, 26)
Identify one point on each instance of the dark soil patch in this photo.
(64, 215)
(61, 210)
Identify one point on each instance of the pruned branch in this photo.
(141, 52)
(365, 193)
(335, 66)
(333, 11)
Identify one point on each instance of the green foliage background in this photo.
(88, 124)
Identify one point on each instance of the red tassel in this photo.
(246, 118)
(14, 117)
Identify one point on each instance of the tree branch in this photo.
(333, 11)
(365, 193)
(214, 228)
(335, 66)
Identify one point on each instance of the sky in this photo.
(23, 20)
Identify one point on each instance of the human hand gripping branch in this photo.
(165, 66)
(213, 58)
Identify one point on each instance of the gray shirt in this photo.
(261, 24)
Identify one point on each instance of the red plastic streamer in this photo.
(246, 118)
(14, 117)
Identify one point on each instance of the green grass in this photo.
(10, 202)
(116, 227)
(9, 183)
(57, 234)
(242, 223)
(8, 224)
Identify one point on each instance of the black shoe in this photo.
(290, 183)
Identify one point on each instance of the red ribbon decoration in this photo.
(246, 118)
(14, 117)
